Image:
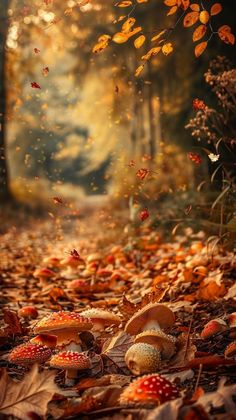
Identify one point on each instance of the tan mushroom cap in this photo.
(105, 317)
(70, 360)
(151, 312)
(142, 358)
(63, 320)
(165, 343)
(29, 353)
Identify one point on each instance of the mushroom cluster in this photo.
(152, 344)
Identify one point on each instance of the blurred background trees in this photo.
(77, 134)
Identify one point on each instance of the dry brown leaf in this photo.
(222, 397)
(116, 347)
(168, 410)
(12, 321)
(33, 394)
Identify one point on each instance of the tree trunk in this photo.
(151, 115)
(4, 188)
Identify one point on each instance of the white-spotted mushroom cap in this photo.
(230, 350)
(213, 327)
(151, 316)
(149, 389)
(27, 354)
(70, 360)
(165, 343)
(142, 358)
(65, 325)
(101, 318)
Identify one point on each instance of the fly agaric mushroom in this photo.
(66, 326)
(213, 327)
(164, 343)
(51, 262)
(28, 312)
(72, 362)
(230, 350)
(47, 340)
(29, 353)
(101, 319)
(142, 358)
(43, 274)
(148, 389)
(71, 262)
(80, 285)
(153, 316)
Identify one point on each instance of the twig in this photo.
(198, 377)
(188, 337)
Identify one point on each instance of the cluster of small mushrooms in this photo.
(217, 326)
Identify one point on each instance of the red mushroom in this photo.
(212, 328)
(27, 354)
(47, 340)
(80, 285)
(149, 389)
(51, 262)
(72, 362)
(43, 274)
(28, 312)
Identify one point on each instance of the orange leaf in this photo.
(215, 9)
(167, 48)
(185, 4)
(151, 53)
(139, 70)
(142, 1)
(204, 16)
(225, 34)
(124, 3)
(200, 48)
(172, 10)
(210, 290)
(139, 41)
(190, 19)
(120, 38)
(170, 2)
(127, 25)
(195, 7)
(155, 37)
(199, 32)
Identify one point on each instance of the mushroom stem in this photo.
(43, 282)
(73, 346)
(71, 375)
(151, 325)
(98, 326)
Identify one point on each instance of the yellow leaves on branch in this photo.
(225, 34)
(121, 37)
(200, 48)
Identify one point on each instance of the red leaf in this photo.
(144, 214)
(35, 85)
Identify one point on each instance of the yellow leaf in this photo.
(200, 48)
(127, 25)
(142, 1)
(139, 70)
(167, 48)
(104, 38)
(155, 37)
(125, 3)
(195, 7)
(210, 290)
(190, 19)
(139, 41)
(151, 53)
(170, 2)
(185, 4)
(172, 10)
(135, 31)
(215, 9)
(120, 38)
(204, 16)
(103, 42)
(225, 34)
(199, 32)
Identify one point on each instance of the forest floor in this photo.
(124, 269)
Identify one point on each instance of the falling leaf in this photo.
(199, 32)
(139, 41)
(36, 50)
(215, 9)
(194, 157)
(32, 394)
(200, 48)
(35, 85)
(167, 48)
(144, 214)
(45, 71)
(213, 157)
(142, 173)
(57, 200)
(199, 104)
